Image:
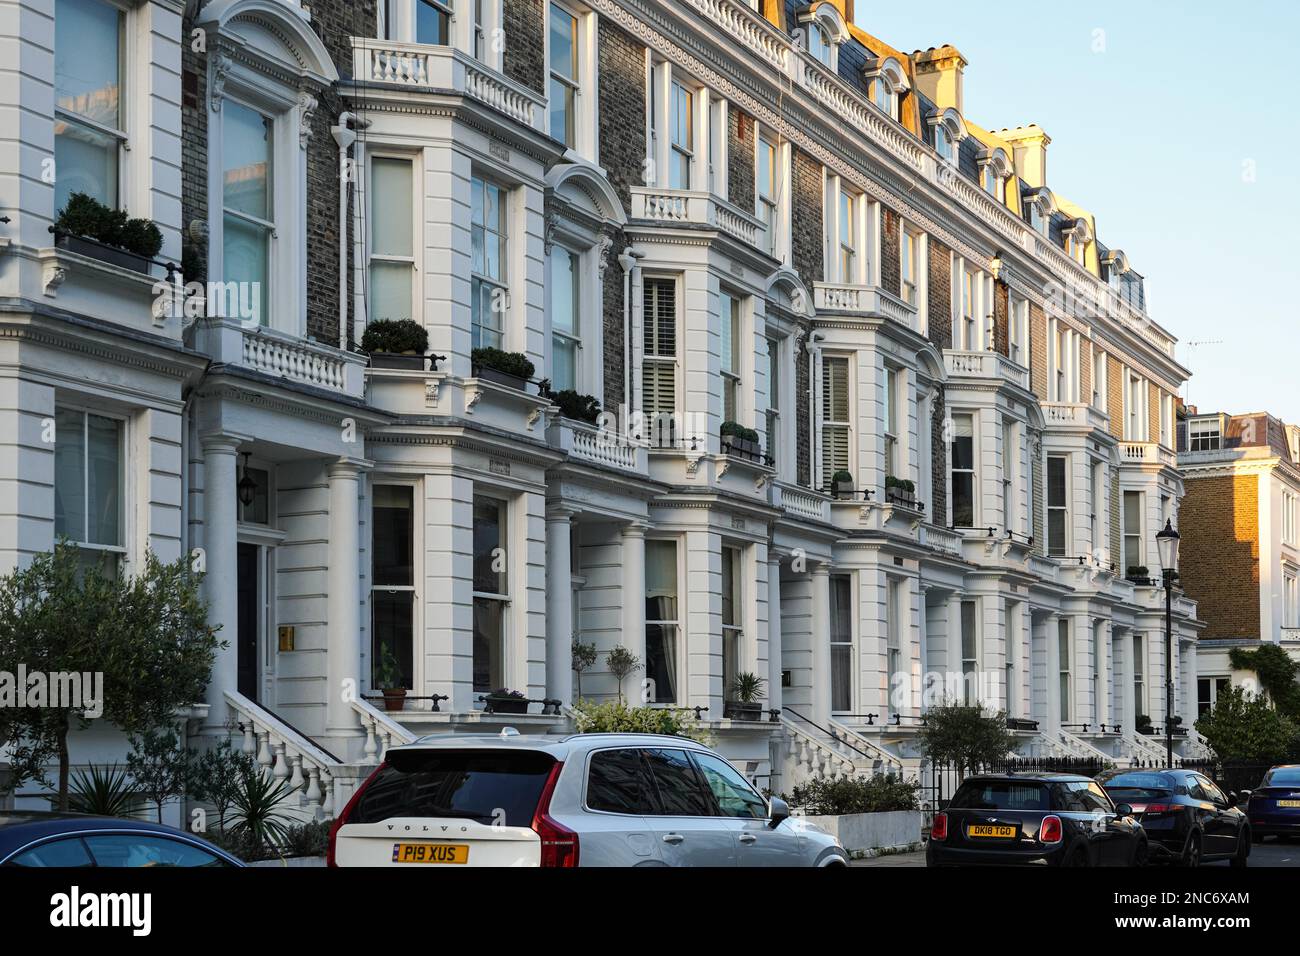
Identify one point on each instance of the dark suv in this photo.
(1187, 818)
(1034, 819)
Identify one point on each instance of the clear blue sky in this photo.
(1158, 134)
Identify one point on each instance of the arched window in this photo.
(824, 30)
(888, 84)
(949, 130)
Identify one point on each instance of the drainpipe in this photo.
(345, 136)
(629, 260)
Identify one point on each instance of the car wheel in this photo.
(1192, 853)
(1241, 858)
(1141, 853)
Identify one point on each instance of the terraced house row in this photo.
(882, 419)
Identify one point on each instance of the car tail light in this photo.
(939, 829)
(559, 843)
(1050, 831)
(342, 818)
(1153, 809)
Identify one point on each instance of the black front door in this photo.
(249, 609)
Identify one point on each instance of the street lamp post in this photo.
(1167, 546)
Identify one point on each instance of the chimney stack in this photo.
(1030, 144)
(938, 75)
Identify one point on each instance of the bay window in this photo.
(662, 626)
(841, 641)
(90, 481)
(489, 298)
(1057, 506)
(392, 592)
(491, 592)
(566, 325)
(837, 427)
(392, 239)
(962, 456)
(248, 210)
(89, 137)
(564, 81)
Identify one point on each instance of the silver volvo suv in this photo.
(582, 800)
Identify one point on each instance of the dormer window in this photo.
(949, 130)
(888, 84)
(1077, 236)
(1204, 434)
(1041, 204)
(995, 167)
(823, 31)
(1116, 264)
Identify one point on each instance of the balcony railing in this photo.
(427, 67)
(1147, 452)
(986, 366)
(586, 443)
(1074, 414)
(863, 300)
(941, 539)
(283, 355)
(801, 502)
(695, 207)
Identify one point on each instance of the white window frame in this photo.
(776, 237)
(859, 232)
(735, 631)
(417, 565)
(828, 468)
(675, 623)
(733, 368)
(1063, 507)
(125, 477)
(894, 663)
(653, 417)
(971, 652)
(1288, 517)
(852, 641)
(586, 130)
(499, 283)
(505, 644)
(1100, 379)
(1139, 536)
(1065, 639)
(1205, 431)
(417, 190)
(973, 470)
(472, 35)
(1137, 420)
(1018, 333)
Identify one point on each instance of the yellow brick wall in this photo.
(1085, 371)
(1038, 351)
(1115, 398)
(1219, 553)
(1153, 411)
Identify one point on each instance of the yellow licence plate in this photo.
(1288, 803)
(430, 852)
(991, 832)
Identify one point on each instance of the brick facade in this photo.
(1219, 523)
(939, 266)
(1001, 311)
(1115, 396)
(740, 159)
(803, 420)
(1038, 351)
(891, 269)
(807, 231)
(524, 56)
(938, 461)
(622, 114)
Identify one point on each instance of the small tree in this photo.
(1243, 726)
(622, 663)
(584, 656)
(217, 776)
(159, 765)
(963, 735)
(1278, 675)
(147, 636)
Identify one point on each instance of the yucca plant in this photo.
(256, 809)
(104, 792)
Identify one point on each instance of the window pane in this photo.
(146, 849)
(70, 474)
(246, 155)
(488, 615)
(963, 499)
(104, 480)
(734, 797)
(564, 362)
(87, 65)
(963, 452)
(661, 662)
(392, 618)
(681, 792)
(1056, 482)
(564, 291)
(489, 554)
(391, 207)
(245, 251)
(60, 853)
(431, 23)
(619, 781)
(841, 672)
(392, 535)
(562, 111)
(86, 162)
(564, 47)
(390, 290)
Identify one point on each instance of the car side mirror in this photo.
(1123, 810)
(1233, 798)
(778, 812)
(1241, 797)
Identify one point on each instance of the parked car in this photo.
(41, 839)
(1044, 819)
(582, 800)
(1188, 819)
(1274, 806)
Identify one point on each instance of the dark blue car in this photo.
(58, 840)
(1274, 806)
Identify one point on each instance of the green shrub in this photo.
(844, 476)
(89, 218)
(1244, 726)
(878, 794)
(508, 363)
(580, 408)
(906, 484)
(395, 335)
(737, 430)
(616, 717)
(103, 792)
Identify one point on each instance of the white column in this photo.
(342, 602)
(220, 583)
(821, 646)
(559, 605)
(1123, 644)
(634, 590)
(773, 631)
(1104, 671)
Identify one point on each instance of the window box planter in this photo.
(1022, 723)
(842, 486)
(506, 705)
(511, 369)
(498, 377)
(405, 361)
(741, 447)
(743, 710)
(91, 249)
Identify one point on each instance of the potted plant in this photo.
(1138, 574)
(739, 440)
(396, 343)
(584, 656)
(900, 490)
(748, 691)
(506, 701)
(88, 227)
(512, 369)
(573, 405)
(389, 678)
(842, 484)
(1142, 724)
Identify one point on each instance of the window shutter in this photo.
(659, 369)
(835, 416)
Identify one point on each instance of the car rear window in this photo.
(1000, 795)
(1290, 777)
(484, 785)
(1144, 782)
